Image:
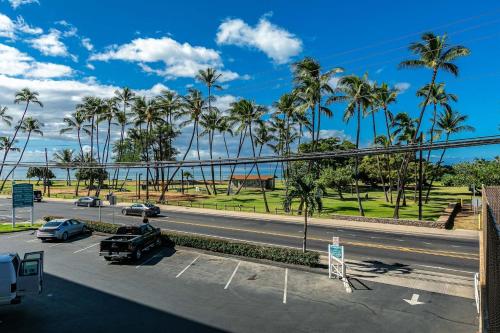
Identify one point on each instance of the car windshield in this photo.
(52, 224)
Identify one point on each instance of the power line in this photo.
(395, 149)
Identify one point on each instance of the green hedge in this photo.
(279, 254)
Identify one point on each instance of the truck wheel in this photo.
(138, 254)
(158, 242)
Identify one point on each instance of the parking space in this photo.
(215, 293)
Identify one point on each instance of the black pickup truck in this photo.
(130, 242)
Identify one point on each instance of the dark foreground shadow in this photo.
(66, 306)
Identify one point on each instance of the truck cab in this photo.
(20, 277)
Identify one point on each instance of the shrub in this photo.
(279, 254)
(285, 255)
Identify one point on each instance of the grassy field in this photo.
(7, 227)
(251, 199)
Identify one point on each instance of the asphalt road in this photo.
(432, 252)
(193, 291)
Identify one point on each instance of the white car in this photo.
(20, 277)
(61, 229)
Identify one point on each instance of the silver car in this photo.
(61, 229)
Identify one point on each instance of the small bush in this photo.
(279, 254)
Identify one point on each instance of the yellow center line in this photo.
(370, 245)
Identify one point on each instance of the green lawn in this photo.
(7, 227)
(250, 199)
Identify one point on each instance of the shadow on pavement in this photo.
(378, 268)
(66, 306)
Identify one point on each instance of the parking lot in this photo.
(184, 290)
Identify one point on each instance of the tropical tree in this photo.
(4, 117)
(437, 96)
(435, 54)
(28, 126)
(28, 97)
(64, 158)
(75, 123)
(449, 122)
(304, 186)
(356, 92)
(210, 122)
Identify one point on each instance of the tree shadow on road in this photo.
(375, 268)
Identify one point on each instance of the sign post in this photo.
(22, 196)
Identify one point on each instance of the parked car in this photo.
(130, 242)
(20, 277)
(139, 209)
(61, 229)
(37, 195)
(88, 202)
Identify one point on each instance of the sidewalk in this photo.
(380, 227)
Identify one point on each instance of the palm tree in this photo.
(311, 85)
(27, 96)
(64, 158)
(75, 123)
(303, 186)
(29, 125)
(450, 122)
(374, 107)
(4, 117)
(89, 109)
(437, 96)
(211, 122)
(356, 93)
(209, 77)
(192, 108)
(435, 54)
(148, 113)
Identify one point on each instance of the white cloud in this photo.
(90, 66)
(50, 44)
(48, 70)
(402, 86)
(87, 44)
(16, 3)
(24, 27)
(7, 27)
(179, 60)
(276, 42)
(16, 63)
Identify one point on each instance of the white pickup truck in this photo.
(20, 277)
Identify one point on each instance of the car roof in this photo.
(6, 257)
(59, 220)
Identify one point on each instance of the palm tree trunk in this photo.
(388, 164)
(379, 168)
(210, 143)
(199, 158)
(17, 163)
(164, 189)
(243, 134)
(7, 149)
(356, 166)
(404, 166)
(438, 165)
(258, 172)
(304, 240)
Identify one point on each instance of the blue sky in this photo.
(69, 49)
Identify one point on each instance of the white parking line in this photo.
(286, 285)
(427, 243)
(32, 240)
(88, 247)
(57, 244)
(192, 262)
(232, 275)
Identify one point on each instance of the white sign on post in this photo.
(336, 241)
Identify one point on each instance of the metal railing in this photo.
(490, 261)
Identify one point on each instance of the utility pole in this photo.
(420, 180)
(139, 188)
